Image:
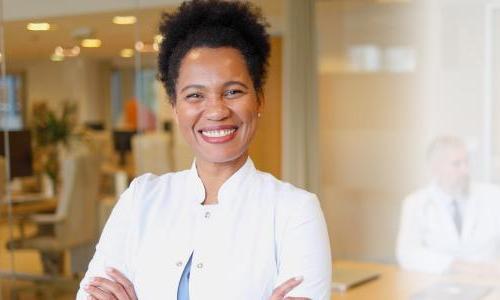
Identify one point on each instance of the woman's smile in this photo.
(218, 134)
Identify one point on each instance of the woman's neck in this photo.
(213, 176)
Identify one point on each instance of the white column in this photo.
(300, 104)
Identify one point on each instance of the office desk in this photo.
(396, 284)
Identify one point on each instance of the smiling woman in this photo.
(218, 106)
(221, 230)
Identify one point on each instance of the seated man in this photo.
(452, 225)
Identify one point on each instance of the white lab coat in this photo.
(261, 233)
(428, 240)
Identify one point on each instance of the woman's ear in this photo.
(260, 103)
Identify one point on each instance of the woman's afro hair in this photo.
(213, 24)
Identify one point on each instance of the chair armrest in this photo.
(45, 218)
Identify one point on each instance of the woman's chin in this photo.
(218, 157)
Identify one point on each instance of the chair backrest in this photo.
(152, 153)
(78, 200)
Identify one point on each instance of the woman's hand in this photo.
(120, 288)
(280, 292)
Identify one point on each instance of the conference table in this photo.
(397, 284)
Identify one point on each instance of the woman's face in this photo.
(216, 104)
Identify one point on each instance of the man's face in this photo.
(452, 171)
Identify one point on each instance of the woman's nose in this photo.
(216, 109)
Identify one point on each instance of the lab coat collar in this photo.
(229, 188)
(447, 198)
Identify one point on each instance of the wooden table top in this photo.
(20, 209)
(396, 284)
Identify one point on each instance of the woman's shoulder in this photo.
(292, 205)
(147, 189)
(150, 180)
(282, 192)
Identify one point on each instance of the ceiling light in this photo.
(146, 48)
(124, 20)
(38, 26)
(139, 46)
(126, 53)
(157, 42)
(91, 43)
(67, 52)
(158, 38)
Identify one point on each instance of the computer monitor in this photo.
(21, 156)
(98, 126)
(122, 140)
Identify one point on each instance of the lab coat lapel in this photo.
(470, 217)
(444, 218)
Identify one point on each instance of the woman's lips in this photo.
(218, 134)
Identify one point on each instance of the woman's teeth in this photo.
(218, 133)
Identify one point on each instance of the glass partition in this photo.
(409, 133)
(369, 120)
(77, 83)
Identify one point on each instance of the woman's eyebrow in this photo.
(196, 86)
(235, 82)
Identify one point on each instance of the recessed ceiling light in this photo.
(91, 43)
(146, 48)
(124, 20)
(157, 41)
(38, 26)
(126, 53)
(67, 52)
(158, 38)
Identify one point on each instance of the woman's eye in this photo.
(193, 96)
(232, 93)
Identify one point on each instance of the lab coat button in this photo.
(199, 266)
(179, 264)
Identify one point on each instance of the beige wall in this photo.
(266, 146)
(367, 160)
(82, 81)
(369, 129)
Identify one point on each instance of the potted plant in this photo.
(51, 131)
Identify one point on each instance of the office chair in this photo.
(73, 227)
(74, 222)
